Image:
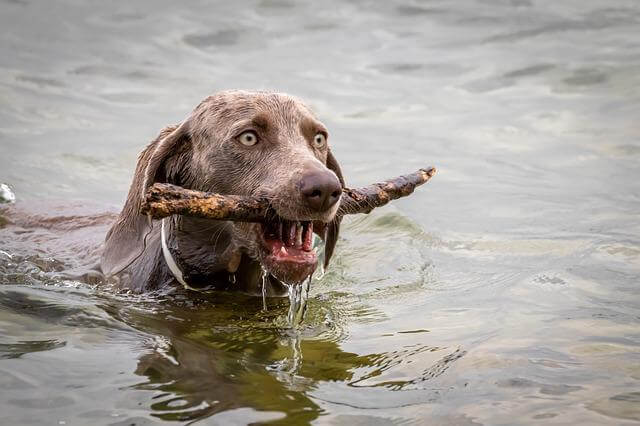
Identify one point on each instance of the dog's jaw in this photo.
(282, 248)
(286, 250)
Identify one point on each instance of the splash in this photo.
(6, 194)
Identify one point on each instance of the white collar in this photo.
(168, 258)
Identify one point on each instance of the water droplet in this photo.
(293, 304)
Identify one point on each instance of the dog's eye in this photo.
(319, 140)
(248, 138)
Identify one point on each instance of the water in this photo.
(504, 291)
(298, 297)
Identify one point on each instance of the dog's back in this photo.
(51, 240)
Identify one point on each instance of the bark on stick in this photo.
(365, 199)
(164, 200)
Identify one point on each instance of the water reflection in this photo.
(206, 354)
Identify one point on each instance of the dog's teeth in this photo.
(307, 236)
(292, 234)
(283, 250)
(298, 235)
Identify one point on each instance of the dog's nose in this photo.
(320, 190)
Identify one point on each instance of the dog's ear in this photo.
(333, 228)
(125, 241)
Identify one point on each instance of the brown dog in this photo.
(235, 142)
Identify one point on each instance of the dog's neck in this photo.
(192, 257)
(169, 259)
(194, 252)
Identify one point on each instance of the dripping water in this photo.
(298, 296)
(294, 303)
(265, 275)
(298, 293)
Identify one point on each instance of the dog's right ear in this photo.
(125, 241)
(334, 226)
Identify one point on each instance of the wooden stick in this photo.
(363, 200)
(164, 200)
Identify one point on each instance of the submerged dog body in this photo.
(240, 143)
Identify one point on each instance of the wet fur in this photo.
(201, 153)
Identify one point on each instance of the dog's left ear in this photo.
(125, 241)
(333, 226)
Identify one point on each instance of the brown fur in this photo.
(202, 153)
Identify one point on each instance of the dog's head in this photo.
(245, 143)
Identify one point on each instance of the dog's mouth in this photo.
(287, 245)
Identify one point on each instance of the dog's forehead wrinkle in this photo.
(284, 110)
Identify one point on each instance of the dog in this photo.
(242, 143)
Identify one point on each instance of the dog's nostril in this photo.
(316, 193)
(335, 194)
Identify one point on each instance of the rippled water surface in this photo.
(504, 291)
